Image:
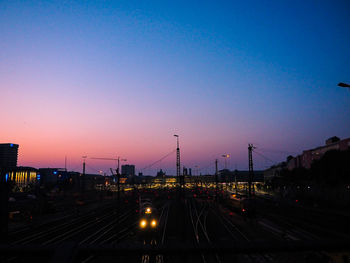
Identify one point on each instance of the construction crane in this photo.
(117, 169)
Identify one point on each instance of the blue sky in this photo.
(126, 75)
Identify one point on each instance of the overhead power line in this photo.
(263, 156)
(93, 168)
(278, 151)
(75, 168)
(161, 159)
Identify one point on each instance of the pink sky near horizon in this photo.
(49, 124)
(48, 129)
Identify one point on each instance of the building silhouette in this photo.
(160, 174)
(128, 170)
(8, 162)
(8, 155)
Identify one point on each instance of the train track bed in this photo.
(316, 224)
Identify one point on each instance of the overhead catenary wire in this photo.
(161, 159)
(278, 151)
(263, 156)
(94, 168)
(76, 167)
(211, 165)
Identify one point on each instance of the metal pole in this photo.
(251, 172)
(236, 182)
(83, 177)
(118, 181)
(65, 163)
(178, 164)
(84, 168)
(216, 179)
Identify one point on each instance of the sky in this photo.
(120, 78)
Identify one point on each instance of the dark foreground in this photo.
(194, 225)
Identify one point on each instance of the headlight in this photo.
(154, 223)
(143, 223)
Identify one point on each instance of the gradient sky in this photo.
(110, 78)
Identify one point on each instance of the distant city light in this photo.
(11, 144)
(55, 172)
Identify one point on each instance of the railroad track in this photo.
(62, 232)
(27, 235)
(236, 235)
(303, 229)
(106, 234)
(286, 229)
(163, 221)
(94, 227)
(198, 219)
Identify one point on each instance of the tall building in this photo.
(8, 155)
(128, 170)
(8, 162)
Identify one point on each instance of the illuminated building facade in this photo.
(23, 177)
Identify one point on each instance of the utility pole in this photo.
(236, 184)
(118, 176)
(118, 182)
(84, 157)
(65, 163)
(216, 179)
(83, 177)
(251, 172)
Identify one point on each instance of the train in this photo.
(242, 204)
(148, 217)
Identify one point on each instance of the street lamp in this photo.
(344, 85)
(225, 156)
(226, 174)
